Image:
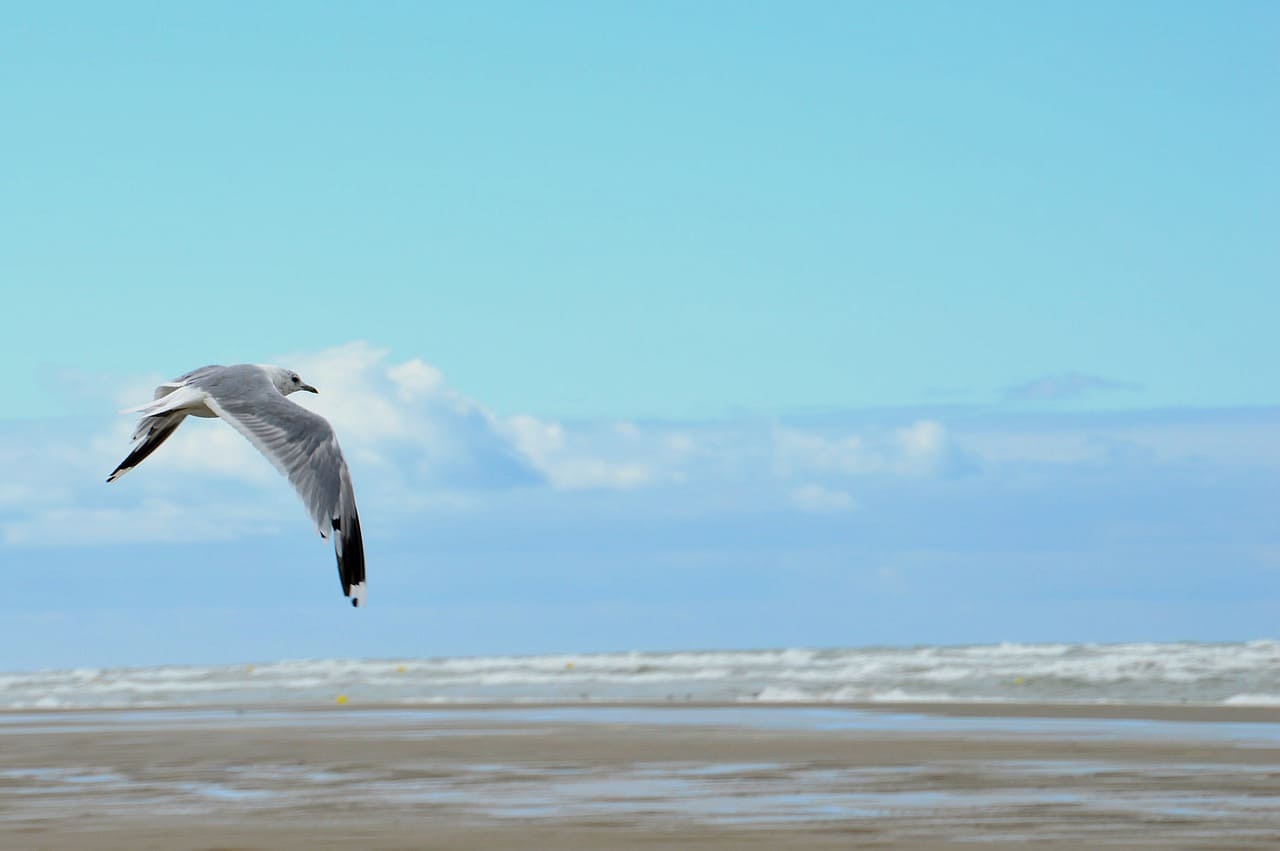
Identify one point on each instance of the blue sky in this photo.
(647, 326)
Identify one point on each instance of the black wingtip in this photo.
(349, 544)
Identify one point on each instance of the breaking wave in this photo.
(1236, 674)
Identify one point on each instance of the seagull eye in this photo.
(295, 379)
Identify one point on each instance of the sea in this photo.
(1245, 674)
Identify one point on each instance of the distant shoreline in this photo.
(1172, 712)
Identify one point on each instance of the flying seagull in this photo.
(301, 444)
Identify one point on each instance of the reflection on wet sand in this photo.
(626, 776)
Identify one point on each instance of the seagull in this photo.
(301, 445)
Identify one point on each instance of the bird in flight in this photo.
(301, 445)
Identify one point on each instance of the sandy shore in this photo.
(628, 777)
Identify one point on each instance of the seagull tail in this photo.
(181, 396)
(151, 432)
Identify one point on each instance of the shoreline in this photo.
(1172, 712)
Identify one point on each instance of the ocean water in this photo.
(1194, 673)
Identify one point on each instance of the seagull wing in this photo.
(172, 403)
(301, 444)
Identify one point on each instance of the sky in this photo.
(646, 326)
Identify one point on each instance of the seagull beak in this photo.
(308, 388)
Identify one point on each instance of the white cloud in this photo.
(820, 500)
(419, 447)
(535, 438)
(1004, 445)
(414, 444)
(1240, 439)
(149, 520)
(415, 379)
(546, 445)
(800, 452)
(13, 494)
(357, 392)
(921, 441)
(680, 443)
(915, 450)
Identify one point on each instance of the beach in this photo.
(625, 776)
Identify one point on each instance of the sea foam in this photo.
(1235, 673)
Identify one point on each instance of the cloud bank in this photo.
(420, 448)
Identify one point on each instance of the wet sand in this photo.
(632, 777)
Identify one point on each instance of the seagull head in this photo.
(287, 381)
